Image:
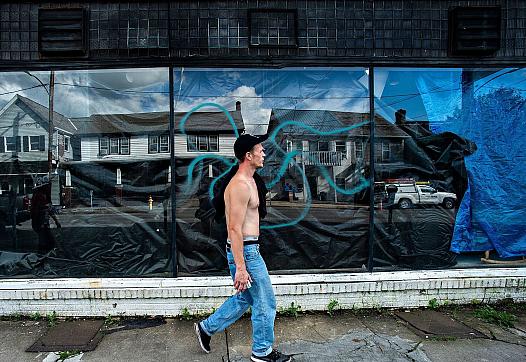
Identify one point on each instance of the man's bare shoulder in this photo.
(237, 185)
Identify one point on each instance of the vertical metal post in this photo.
(173, 189)
(370, 263)
(50, 130)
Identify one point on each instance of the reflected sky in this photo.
(426, 94)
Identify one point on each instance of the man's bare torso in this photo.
(239, 184)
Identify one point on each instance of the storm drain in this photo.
(78, 335)
(429, 323)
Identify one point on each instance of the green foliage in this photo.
(433, 304)
(35, 316)
(13, 317)
(186, 315)
(52, 319)
(291, 311)
(501, 318)
(332, 306)
(67, 354)
(110, 320)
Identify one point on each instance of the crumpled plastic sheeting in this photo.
(12, 263)
(311, 244)
(492, 213)
(96, 251)
(415, 243)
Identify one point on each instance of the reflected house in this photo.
(344, 155)
(24, 142)
(126, 157)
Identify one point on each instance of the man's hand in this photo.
(242, 280)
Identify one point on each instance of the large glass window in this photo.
(448, 137)
(317, 204)
(110, 197)
(445, 170)
(24, 140)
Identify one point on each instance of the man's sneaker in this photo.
(202, 337)
(274, 356)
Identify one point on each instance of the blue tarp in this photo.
(492, 213)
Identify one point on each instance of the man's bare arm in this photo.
(239, 195)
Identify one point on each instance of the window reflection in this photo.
(432, 171)
(317, 208)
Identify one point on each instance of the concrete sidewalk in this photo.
(365, 335)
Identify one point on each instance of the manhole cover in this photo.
(79, 335)
(430, 323)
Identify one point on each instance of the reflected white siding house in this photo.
(24, 143)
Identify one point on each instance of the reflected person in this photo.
(41, 211)
(247, 267)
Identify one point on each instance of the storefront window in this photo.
(317, 208)
(87, 193)
(101, 205)
(447, 168)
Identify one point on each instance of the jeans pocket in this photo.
(251, 255)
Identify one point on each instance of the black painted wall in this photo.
(201, 32)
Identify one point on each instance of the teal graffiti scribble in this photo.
(213, 183)
(288, 158)
(189, 175)
(364, 183)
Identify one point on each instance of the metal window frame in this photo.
(150, 144)
(167, 137)
(210, 143)
(188, 142)
(120, 145)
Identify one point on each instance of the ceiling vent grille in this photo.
(62, 32)
(474, 30)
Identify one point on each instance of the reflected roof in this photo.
(152, 122)
(328, 121)
(59, 121)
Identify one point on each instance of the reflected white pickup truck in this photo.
(412, 194)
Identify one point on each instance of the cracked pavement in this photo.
(365, 335)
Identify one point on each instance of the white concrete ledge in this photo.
(169, 296)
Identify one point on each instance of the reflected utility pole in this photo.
(50, 125)
(50, 93)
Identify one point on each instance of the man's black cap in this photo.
(245, 142)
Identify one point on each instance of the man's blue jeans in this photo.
(260, 297)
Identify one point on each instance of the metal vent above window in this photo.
(62, 32)
(474, 30)
(273, 28)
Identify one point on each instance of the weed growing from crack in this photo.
(291, 311)
(52, 319)
(332, 306)
(433, 304)
(490, 315)
(185, 315)
(35, 316)
(110, 320)
(67, 354)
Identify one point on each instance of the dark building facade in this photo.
(259, 33)
(453, 69)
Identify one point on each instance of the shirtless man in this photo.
(247, 268)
